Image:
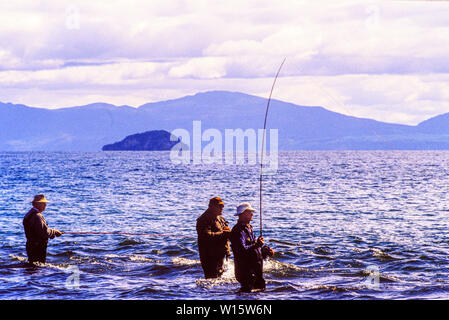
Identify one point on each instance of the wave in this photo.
(63, 266)
(18, 258)
(377, 253)
(143, 259)
(67, 253)
(129, 242)
(283, 268)
(228, 276)
(185, 261)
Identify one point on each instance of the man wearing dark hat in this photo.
(37, 232)
(248, 252)
(213, 239)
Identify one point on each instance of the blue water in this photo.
(344, 225)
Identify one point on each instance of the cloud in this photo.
(206, 68)
(406, 99)
(112, 74)
(335, 38)
(7, 60)
(374, 57)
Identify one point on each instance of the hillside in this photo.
(88, 128)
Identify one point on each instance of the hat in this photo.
(215, 201)
(243, 207)
(39, 198)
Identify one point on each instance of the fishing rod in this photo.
(129, 234)
(260, 181)
(263, 143)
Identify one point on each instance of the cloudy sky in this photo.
(387, 60)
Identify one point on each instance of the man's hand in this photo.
(267, 252)
(58, 233)
(226, 229)
(260, 241)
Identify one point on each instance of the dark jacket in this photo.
(36, 229)
(248, 257)
(212, 241)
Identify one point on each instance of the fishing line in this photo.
(129, 234)
(263, 143)
(264, 133)
(342, 106)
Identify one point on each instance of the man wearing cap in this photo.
(248, 252)
(213, 239)
(37, 232)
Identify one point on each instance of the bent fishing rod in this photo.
(263, 143)
(260, 178)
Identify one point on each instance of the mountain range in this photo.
(89, 127)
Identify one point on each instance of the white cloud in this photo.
(7, 60)
(115, 74)
(406, 99)
(373, 57)
(206, 68)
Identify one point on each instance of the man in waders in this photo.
(248, 252)
(213, 239)
(37, 232)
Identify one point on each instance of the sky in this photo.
(385, 60)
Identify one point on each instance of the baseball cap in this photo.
(215, 201)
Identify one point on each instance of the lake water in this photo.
(344, 225)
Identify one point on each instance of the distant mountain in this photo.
(89, 127)
(156, 140)
(435, 125)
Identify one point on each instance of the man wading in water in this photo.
(248, 252)
(37, 232)
(213, 239)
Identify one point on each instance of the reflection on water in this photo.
(336, 219)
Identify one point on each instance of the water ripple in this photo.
(336, 219)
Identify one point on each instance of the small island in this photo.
(155, 140)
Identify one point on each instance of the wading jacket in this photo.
(243, 242)
(212, 241)
(36, 229)
(248, 256)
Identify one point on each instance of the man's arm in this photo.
(42, 230)
(205, 230)
(240, 241)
